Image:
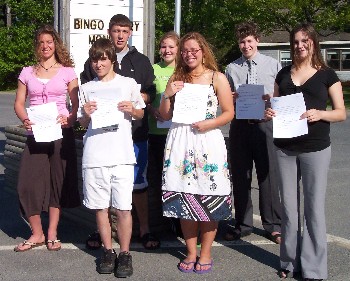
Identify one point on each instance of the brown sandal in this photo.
(28, 243)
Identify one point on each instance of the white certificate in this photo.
(164, 124)
(191, 104)
(287, 122)
(249, 104)
(107, 112)
(44, 116)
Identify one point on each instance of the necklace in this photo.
(47, 69)
(198, 75)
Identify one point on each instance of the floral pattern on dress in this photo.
(195, 179)
(188, 168)
(212, 106)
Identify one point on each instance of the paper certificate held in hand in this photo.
(249, 104)
(287, 122)
(190, 104)
(107, 113)
(44, 116)
(164, 124)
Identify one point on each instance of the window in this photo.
(333, 59)
(338, 59)
(285, 58)
(345, 59)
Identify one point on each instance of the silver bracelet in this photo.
(165, 96)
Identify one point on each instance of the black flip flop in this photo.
(274, 238)
(93, 238)
(149, 237)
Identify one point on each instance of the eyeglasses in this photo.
(192, 52)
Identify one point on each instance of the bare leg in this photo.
(54, 218)
(208, 233)
(124, 229)
(140, 201)
(190, 232)
(37, 232)
(104, 228)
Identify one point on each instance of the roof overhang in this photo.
(321, 43)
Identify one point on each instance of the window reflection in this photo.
(285, 58)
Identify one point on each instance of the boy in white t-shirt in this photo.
(108, 156)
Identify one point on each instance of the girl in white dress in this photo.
(195, 181)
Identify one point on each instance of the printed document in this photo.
(44, 116)
(107, 113)
(287, 122)
(191, 104)
(249, 104)
(164, 124)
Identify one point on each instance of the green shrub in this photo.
(16, 48)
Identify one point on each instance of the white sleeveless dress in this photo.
(195, 180)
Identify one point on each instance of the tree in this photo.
(16, 49)
(326, 15)
(208, 17)
(216, 19)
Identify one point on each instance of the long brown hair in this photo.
(62, 55)
(182, 72)
(317, 60)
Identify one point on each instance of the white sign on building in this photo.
(89, 21)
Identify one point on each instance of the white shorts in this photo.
(108, 186)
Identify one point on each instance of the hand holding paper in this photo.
(191, 104)
(287, 122)
(249, 102)
(44, 122)
(104, 107)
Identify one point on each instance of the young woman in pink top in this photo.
(47, 179)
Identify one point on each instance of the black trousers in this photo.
(253, 143)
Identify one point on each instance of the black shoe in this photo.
(276, 238)
(236, 234)
(107, 262)
(124, 265)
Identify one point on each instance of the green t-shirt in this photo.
(162, 74)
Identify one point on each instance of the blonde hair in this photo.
(182, 71)
(62, 55)
(172, 35)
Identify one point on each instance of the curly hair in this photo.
(246, 29)
(317, 60)
(182, 71)
(62, 55)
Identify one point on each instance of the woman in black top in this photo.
(307, 156)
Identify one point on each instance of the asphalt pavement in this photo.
(253, 258)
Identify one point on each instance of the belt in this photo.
(255, 121)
